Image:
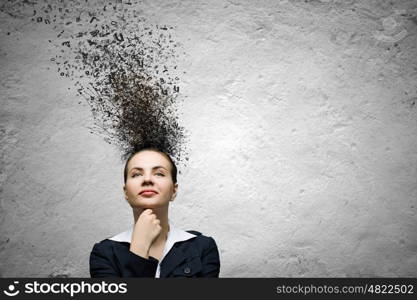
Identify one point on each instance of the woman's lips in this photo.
(148, 193)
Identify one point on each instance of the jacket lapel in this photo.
(174, 258)
(178, 255)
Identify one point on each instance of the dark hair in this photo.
(173, 166)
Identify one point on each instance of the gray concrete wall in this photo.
(302, 135)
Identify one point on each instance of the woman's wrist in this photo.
(140, 248)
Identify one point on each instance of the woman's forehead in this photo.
(148, 159)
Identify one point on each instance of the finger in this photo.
(149, 211)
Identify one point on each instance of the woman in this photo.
(153, 247)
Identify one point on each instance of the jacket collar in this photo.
(176, 256)
(174, 235)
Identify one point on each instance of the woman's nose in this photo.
(147, 178)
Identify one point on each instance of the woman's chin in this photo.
(151, 205)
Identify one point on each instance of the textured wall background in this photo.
(303, 142)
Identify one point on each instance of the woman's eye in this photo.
(134, 175)
(161, 174)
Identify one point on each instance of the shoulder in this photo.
(202, 240)
(104, 247)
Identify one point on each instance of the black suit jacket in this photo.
(196, 257)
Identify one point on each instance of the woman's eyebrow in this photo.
(141, 169)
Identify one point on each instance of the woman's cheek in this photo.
(131, 193)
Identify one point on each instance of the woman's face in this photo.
(149, 182)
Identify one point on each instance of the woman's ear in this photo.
(125, 192)
(175, 192)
